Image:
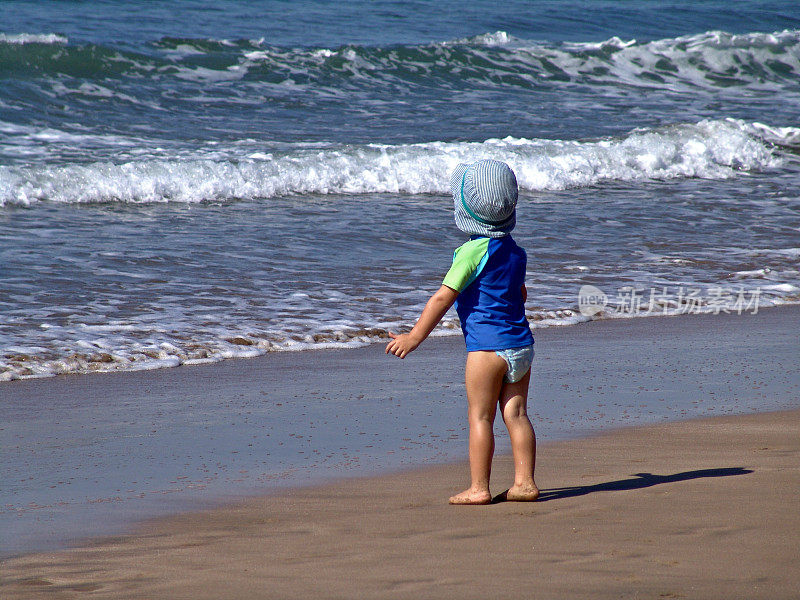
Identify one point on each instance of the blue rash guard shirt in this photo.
(488, 274)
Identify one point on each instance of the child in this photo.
(487, 284)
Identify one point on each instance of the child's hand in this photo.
(439, 303)
(401, 345)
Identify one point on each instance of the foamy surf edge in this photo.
(167, 355)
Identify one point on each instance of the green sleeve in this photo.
(468, 262)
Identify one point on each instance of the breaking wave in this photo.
(708, 149)
(32, 38)
(710, 60)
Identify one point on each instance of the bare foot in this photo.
(522, 493)
(472, 496)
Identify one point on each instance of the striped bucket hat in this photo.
(485, 198)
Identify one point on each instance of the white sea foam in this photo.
(714, 59)
(708, 149)
(785, 288)
(614, 43)
(785, 136)
(496, 38)
(98, 91)
(752, 273)
(32, 38)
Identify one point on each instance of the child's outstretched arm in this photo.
(437, 306)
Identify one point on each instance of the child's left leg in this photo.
(484, 380)
(514, 408)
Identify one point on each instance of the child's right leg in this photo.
(514, 408)
(484, 380)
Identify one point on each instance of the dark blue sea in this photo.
(184, 182)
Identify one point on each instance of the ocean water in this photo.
(192, 182)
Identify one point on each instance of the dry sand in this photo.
(699, 509)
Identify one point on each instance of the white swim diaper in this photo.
(519, 362)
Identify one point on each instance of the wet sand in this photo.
(698, 509)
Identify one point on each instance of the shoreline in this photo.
(94, 455)
(565, 317)
(705, 508)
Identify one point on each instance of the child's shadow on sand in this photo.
(642, 480)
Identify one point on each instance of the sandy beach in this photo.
(700, 508)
